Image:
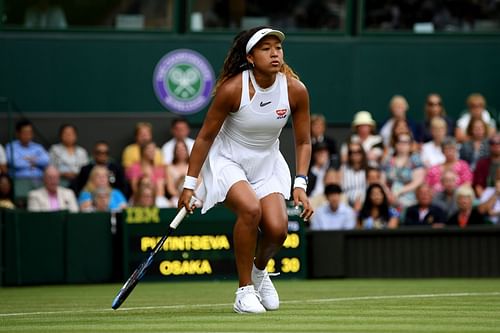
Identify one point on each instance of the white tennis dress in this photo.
(247, 146)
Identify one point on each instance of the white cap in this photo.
(261, 34)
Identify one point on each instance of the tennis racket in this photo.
(144, 266)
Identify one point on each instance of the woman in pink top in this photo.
(147, 167)
(459, 167)
(177, 170)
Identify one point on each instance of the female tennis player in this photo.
(237, 153)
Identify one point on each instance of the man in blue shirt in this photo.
(333, 215)
(26, 159)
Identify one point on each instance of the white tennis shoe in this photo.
(265, 288)
(247, 301)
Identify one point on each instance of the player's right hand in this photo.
(185, 200)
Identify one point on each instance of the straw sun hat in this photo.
(363, 118)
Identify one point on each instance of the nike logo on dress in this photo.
(262, 104)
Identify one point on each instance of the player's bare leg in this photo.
(274, 229)
(241, 199)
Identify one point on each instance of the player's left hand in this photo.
(300, 198)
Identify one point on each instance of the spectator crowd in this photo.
(388, 174)
(64, 177)
(401, 172)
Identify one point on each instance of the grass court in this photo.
(352, 305)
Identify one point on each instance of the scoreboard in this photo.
(202, 245)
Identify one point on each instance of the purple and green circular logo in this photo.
(183, 81)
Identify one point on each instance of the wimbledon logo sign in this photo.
(183, 81)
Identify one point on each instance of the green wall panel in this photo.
(56, 247)
(34, 248)
(89, 248)
(106, 72)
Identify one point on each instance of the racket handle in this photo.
(181, 214)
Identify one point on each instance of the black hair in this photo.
(23, 123)
(364, 158)
(368, 205)
(332, 188)
(64, 126)
(101, 142)
(175, 121)
(10, 194)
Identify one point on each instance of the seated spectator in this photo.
(320, 164)
(364, 128)
(146, 196)
(477, 145)
(51, 197)
(98, 180)
(489, 203)
(424, 213)
(404, 172)
(3, 160)
(318, 135)
(177, 170)
(146, 166)
(485, 172)
(467, 214)
(376, 212)
(431, 151)
(476, 109)
(374, 175)
(334, 215)
(26, 159)
(100, 200)
(353, 175)
(452, 162)
(132, 153)
(445, 198)
(398, 107)
(433, 108)
(179, 128)
(67, 156)
(399, 127)
(100, 156)
(6, 192)
(331, 177)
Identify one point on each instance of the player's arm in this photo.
(299, 103)
(301, 126)
(225, 101)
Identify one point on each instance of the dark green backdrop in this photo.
(112, 72)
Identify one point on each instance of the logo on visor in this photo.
(183, 81)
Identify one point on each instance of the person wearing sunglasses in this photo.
(433, 108)
(101, 156)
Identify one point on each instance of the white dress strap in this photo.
(245, 91)
(284, 90)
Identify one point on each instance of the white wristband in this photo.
(190, 182)
(300, 182)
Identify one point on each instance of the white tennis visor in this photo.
(261, 34)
